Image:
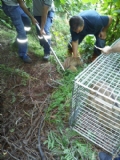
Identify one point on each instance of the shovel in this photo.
(44, 37)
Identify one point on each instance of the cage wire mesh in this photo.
(95, 112)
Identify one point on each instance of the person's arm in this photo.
(102, 34)
(22, 5)
(109, 49)
(75, 48)
(46, 6)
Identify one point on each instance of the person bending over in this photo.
(85, 23)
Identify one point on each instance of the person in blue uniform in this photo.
(20, 16)
(85, 23)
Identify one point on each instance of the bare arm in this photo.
(109, 49)
(104, 30)
(22, 5)
(75, 48)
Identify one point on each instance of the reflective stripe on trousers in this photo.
(27, 28)
(22, 40)
(47, 27)
(19, 20)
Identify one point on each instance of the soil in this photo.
(23, 106)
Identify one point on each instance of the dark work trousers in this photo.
(47, 27)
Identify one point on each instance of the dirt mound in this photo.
(25, 94)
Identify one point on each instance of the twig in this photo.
(39, 141)
(12, 155)
(11, 144)
(17, 85)
(57, 82)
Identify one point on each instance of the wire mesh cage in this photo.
(95, 112)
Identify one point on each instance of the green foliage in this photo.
(15, 71)
(68, 145)
(71, 7)
(5, 19)
(61, 36)
(111, 7)
(86, 47)
(61, 99)
(64, 143)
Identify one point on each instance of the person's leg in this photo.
(47, 27)
(38, 18)
(99, 43)
(46, 46)
(26, 21)
(14, 13)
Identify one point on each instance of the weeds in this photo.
(87, 47)
(65, 143)
(15, 71)
(68, 145)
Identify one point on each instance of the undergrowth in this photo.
(7, 71)
(68, 145)
(63, 142)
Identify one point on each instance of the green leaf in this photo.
(12, 130)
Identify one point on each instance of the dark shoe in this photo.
(104, 156)
(26, 59)
(46, 57)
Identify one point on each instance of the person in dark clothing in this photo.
(85, 23)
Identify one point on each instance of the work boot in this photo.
(46, 57)
(26, 59)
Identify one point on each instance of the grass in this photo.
(7, 35)
(7, 71)
(66, 145)
(62, 141)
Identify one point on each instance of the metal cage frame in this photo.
(95, 112)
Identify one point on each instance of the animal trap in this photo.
(95, 112)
